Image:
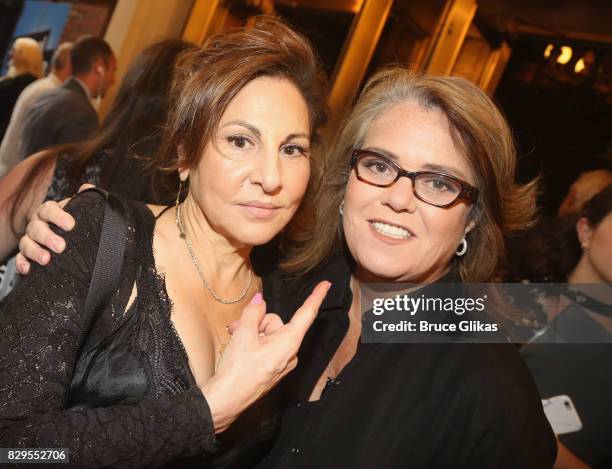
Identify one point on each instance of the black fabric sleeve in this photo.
(513, 428)
(39, 330)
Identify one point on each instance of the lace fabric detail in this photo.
(162, 351)
(39, 330)
(60, 184)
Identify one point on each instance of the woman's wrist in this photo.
(218, 400)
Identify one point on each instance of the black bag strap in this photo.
(107, 269)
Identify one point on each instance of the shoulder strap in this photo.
(107, 268)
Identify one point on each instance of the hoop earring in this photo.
(463, 248)
(341, 208)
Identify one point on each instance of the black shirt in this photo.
(582, 371)
(406, 405)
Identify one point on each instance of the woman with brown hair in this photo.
(419, 188)
(155, 381)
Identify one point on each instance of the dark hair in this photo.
(598, 207)
(552, 250)
(86, 50)
(568, 248)
(131, 128)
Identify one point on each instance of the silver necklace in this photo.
(182, 234)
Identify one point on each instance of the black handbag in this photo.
(106, 272)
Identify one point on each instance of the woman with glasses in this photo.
(419, 188)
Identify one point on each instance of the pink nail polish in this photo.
(257, 299)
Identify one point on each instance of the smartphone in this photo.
(562, 414)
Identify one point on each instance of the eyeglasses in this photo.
(439, 189)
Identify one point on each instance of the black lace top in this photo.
(137, 403)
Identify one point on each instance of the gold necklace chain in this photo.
(182, 234)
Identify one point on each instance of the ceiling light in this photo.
(565, 56)
(548, 50)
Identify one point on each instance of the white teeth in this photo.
(391, 230)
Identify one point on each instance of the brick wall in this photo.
(87, 19)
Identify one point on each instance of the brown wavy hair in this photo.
(478, 129)
(209, 78)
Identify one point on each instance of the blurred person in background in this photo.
(573, 355)
(25, 66)
(61, 69)
(113, 159)
(532, 254)
(585, 187)
(66, 114)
